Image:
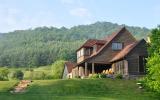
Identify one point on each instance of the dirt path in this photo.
(21, 87)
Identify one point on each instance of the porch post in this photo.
(93, 69)
(126, 67)
(85, 70)
(78, 71)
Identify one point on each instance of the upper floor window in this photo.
(116, 46)
(80, 53)
(94, 48)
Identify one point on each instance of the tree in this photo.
(153, 62)
(57, 69)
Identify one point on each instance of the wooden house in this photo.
(120, 52)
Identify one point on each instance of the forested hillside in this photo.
(44, 45)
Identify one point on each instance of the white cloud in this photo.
(80, 12)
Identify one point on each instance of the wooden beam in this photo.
(126, 67)
(85, 70)
(93, 71)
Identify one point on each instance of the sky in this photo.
(25, 14)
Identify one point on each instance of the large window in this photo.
(116, 46)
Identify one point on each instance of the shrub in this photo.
(18, 74)
(102, 75)
(118, 76)
(49, 76)
(38, 75)
(4, 74)
(57, 69)
(77, 77)
(94, 76)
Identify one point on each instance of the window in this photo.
(94, 48)
(80, 53)
(87, 52)
(116, 46)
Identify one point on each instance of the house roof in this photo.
(91, 42)
(69, 66)
(126, 51)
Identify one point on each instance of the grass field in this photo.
(86, 89)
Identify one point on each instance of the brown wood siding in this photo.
(99, 46)
(107, 53)
(120, 67)
(133, 57)
(133, 64)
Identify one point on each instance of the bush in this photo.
(118, 76)
(102, 75)
(18, 74)
(4, 74)
(49, 76)
(57, 69)
(38, 75)
(77, 77)
(94, 76)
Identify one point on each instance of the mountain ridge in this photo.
(44, 45)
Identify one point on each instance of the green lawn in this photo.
(86, 89)
(6, 85)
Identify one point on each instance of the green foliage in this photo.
(44, 45)
(153, 62)
(102, 75)
(57, 69)
(155, 42)
(4, 73)
(94, 76)
(119, 76)
(38, 75)
(18, 74)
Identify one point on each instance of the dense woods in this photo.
(44, 45)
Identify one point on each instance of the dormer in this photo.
(82, 54)
(90, 47)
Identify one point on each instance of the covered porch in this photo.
(85, 68)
